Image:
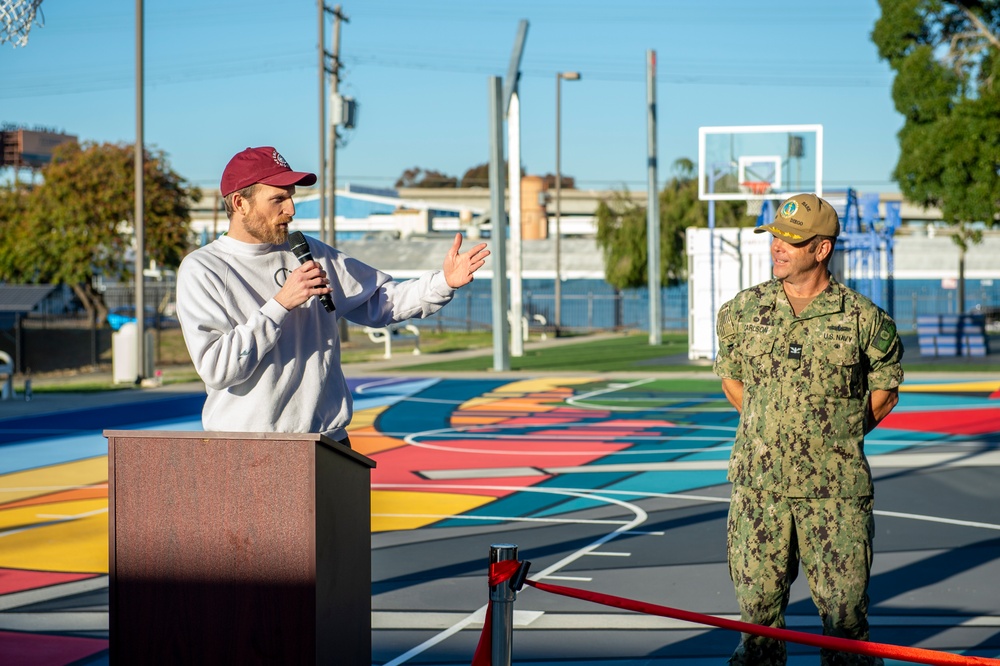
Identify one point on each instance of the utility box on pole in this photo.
(343, 111)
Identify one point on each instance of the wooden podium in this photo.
(238, 548)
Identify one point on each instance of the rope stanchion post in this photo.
(502, 598)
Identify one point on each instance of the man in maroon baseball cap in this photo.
(260, 319)
(261, 165)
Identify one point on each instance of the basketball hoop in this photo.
(16, 19)
(755, 187)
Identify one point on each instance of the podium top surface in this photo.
(257, 436)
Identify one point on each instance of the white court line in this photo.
(609, 553)
(52, 521)
(57, 622)
(64, 517)
(578, 400)
(51, 592)
(49, 489)
(640, 517)
(578, 579)
(934, 519)
(625, 621)
(886, 461)
(505, 519)
(389, 381)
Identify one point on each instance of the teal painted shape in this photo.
(529, 503)
(432, 408)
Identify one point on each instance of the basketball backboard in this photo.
(757, 162)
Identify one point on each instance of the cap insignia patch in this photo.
(789, 209)
(279, 160)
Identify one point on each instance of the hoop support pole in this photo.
(502, 598)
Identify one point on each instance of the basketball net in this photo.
(16, 19)
(758, 187)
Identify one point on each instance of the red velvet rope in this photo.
(501, 572)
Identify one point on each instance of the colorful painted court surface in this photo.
(450, 453)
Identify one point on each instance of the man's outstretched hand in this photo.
(459, 266)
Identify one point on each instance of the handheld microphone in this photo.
(301, 251)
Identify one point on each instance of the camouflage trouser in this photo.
(768, 535)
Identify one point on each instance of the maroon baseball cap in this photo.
(261, 165)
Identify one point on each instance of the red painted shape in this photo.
(951, 422)
(18, 580)
(401, 466)
(46, 649)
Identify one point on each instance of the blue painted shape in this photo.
(37, 454)
(675, 481)
(111, 417)
(388, 393)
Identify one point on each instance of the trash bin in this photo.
(124, 364)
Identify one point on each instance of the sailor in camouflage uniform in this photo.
(811, 366)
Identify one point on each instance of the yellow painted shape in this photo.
(477, 420)
(404, 510)
(75, 546)
(542, 384)
(365, 418)
(87, 492)
(54, 478)
(479, 402)
(368, 441)
(989, 386)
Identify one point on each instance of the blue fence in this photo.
(593, 305)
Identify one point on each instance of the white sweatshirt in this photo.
(268, 369)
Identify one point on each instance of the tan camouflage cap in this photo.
(802, 216)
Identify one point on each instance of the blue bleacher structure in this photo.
(952, 335)
(865, 244)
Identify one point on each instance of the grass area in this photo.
(617, 353)
(360, 349)
(624, 353)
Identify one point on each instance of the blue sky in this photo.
(222, 75)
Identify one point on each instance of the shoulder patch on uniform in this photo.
(885, 336)
(726, 327)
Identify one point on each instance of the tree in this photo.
(79, 222)
(565, 182)
(621, 229)
(945, 55)
(479, 175)
(13, 227)
(418, 177)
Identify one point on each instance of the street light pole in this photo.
(569, 76)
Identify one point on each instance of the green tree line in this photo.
(946, 56)
(622, 226)
(77, 224)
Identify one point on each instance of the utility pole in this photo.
(652, 206)
(512, 109)
(139, 223)
(330, 237)
(321, 69)
(498, 218)
(338, 17)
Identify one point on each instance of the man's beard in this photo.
(262, 230)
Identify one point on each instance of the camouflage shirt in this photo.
(806, 382)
